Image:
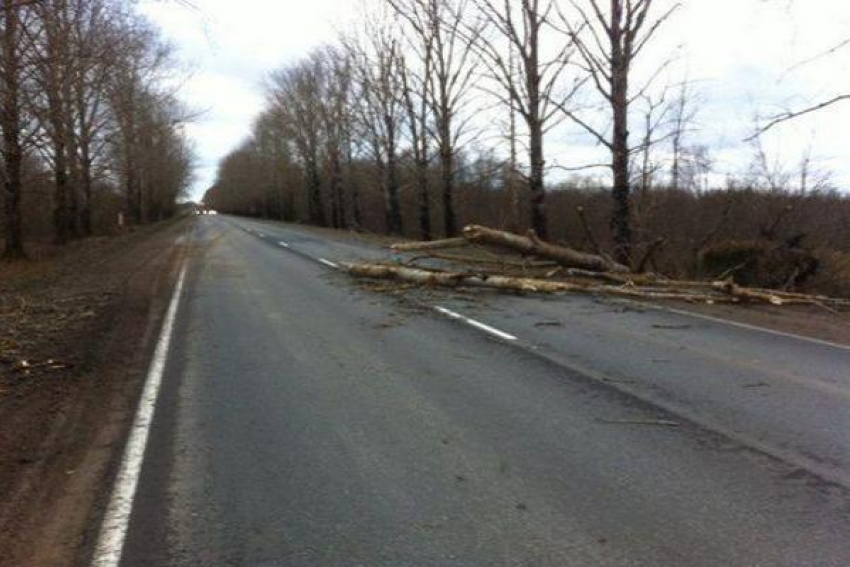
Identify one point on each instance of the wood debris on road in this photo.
(504, 261)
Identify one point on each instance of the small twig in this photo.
(728, 273)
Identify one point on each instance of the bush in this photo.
(758, 263)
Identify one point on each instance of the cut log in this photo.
(458, 242)
(455, 279)
(532, 245)
(773, 297)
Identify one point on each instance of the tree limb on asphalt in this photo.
(531, 285)
(633, 286)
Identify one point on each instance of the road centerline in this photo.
(473, 323)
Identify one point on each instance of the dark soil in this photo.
(77, 330)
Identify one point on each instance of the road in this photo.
(305, 420)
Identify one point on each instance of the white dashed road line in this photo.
(477, 324)
(442, 310)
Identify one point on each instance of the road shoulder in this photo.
(82, 330)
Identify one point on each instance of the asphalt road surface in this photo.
(305, 420)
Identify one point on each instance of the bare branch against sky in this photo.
(775, 58)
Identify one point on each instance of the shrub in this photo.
(759, 263)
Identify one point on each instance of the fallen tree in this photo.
(529, 245)
(543, 267)
(702, 292)
(533, 246)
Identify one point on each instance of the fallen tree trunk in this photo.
(770, 296)
(458, 242)
(498, 261)
(456, 279)
(534, 246)
(528, 245)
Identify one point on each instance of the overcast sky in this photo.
(742, 54)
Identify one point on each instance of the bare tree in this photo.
(812, 178)
(653, 118)
(335, 80)
(81, 90)
(684, 111)
(532, 88)
(50, 35)
(276, 165)
(416, 94)
(440, 24)
(132, 96)
(378, 70)
(294, 93)
(766, 172)
(95, 39)
(11, 109)
(609, 42)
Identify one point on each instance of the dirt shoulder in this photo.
(78, 330)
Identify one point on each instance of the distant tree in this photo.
(377, 67)
(295, 94)
(440, 24)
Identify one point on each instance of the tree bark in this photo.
(394, 221)
(424, 199)
(534, 246)
(534, 121)
(620, 219)
(11, 126)
(536, 187)
(315, 204)
(337, 210)
(531, 245)
(455, 242)
(447, 166)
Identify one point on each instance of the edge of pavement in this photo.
(55, 509)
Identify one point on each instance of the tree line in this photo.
(90, 124)
(433, 111)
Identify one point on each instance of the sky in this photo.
(743, 57)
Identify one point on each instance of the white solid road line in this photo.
(282, 243)
(740, 325)
(113, 530)
(328, 263)
(477, 324)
